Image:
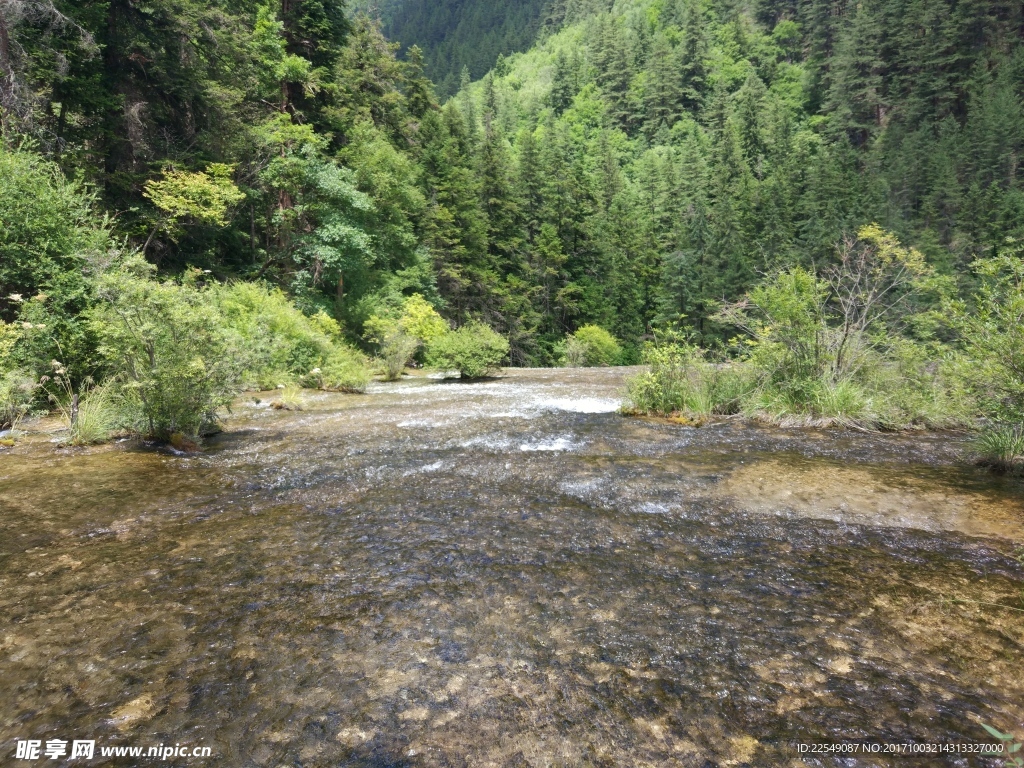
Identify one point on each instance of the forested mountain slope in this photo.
(642, 165)
(460, 35)
(639, 165)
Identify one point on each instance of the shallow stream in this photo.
(508, 573)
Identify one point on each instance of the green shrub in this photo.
(420, 320)
(49, 230)
(917, 385)
(474, 350)
(396, 350)
(51, 240)
(591, 346)
(992, 335)
(401, 332)
(280, 344)
(16, 387)
(681, 380)
(1002, 448)
(173, 359)
(17, 390)
(344, 370)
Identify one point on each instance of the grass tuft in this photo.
(1002, 448)
(290, 398)
(95, 420)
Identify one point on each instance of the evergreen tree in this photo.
(692, 55)
(662, 90)
(455, 229)
(499, 200)
(750, 106)
(855, 102)
(615, 76)
(564, 85)
(529, 182)
(419, 93)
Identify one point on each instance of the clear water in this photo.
(508, 574)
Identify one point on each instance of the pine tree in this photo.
(419, 93)
(499, 200)
(529, 183)
(563, 83)
(455, 229)
(855, 102)
(615, 76)
(315, 29)
(751, 103)
(662, 90)
(692, 55)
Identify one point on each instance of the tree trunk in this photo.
(6, 72)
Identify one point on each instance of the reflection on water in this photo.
(510, 574)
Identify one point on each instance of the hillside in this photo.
(668, 153)
(457, 35)
(635, 168)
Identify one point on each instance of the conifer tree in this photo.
(529, 183)
(419, 93)
(499, 200)
(455, 229)
(616, 77)
(855, 101)
(751, 102)
(563, 83)
(662, 90)
(692, 55)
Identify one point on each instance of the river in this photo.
(508, 573)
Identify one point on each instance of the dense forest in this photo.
(640, 168)
(465, 38)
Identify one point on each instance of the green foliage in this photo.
(592, 346)
(402, 332)
(471, 35)
(172, 358)
(200, 197)
(48, 231)
(680, 379)
(1013, 747)
(16, 387)
(9, 336)
(823, 349)
(90, 415)
(991, 328)
(17, 390)
(1002, 448)
(474, 350)
(344, 370)
(50, 239)
(318, 224)
(279, 344)
(638, 166)
(396, 350)
(95, 419)
(415, 318)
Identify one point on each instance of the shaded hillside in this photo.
(460, 34)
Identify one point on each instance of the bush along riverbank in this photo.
(877, 342)
(159, 358)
